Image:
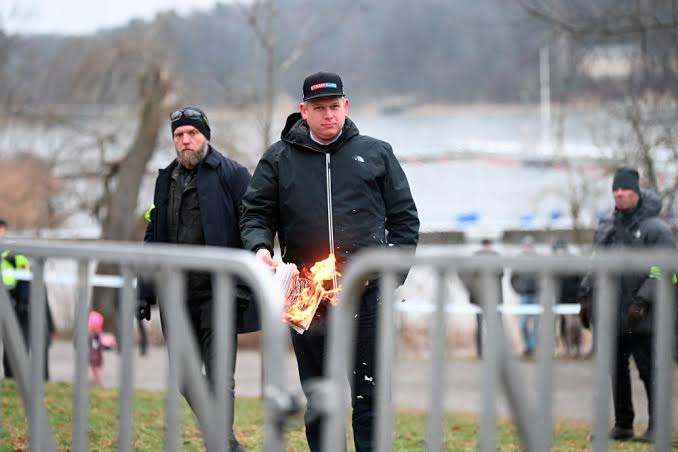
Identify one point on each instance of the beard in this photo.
(190, 159)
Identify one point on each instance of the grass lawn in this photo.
(460, 434)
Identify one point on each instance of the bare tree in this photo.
(261, 17)
(644, 103)
(121, 176)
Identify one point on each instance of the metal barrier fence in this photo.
(534, 421)
(167, 263)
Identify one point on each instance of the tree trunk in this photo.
(121, 203)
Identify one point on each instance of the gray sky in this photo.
(85, 16)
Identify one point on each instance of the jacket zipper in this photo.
(330, 221)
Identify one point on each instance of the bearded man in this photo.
(197, 202)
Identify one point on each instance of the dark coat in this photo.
(221, 186)
(371, 200)
(641, 228)
(525, 283)
(473, 280)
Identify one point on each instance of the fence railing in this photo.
(534, 420)
(167, 265)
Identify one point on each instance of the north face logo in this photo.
(358, 158)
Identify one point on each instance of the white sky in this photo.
(85, 16)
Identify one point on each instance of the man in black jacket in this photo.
(634, 225)
(197, 202)
(568, 288)
(326, 189)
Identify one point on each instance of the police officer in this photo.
(19, 292)
(634, 224)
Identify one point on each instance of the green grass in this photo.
(461, 433)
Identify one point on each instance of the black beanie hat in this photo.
(191, 116)
(627, 178)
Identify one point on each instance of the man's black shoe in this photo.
(647, 437)
(621, 434)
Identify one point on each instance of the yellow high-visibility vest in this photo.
(21, 262)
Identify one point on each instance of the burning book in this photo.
(304, 291)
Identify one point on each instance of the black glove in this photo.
(636, 312)
(585, 316)
(143, 310)
(243, 297)
(585, 300)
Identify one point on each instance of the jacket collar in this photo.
(297, 133)
(649, 205)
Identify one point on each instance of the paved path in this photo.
(573, 396)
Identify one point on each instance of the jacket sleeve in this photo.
(402, 219)
(259, 207)
(516, 283)
(659, 236)
(146, 287)
(239, 180)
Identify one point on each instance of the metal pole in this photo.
(126, 392)
(605, 337)
(385, 363)
(545, 349)
(434, 441)
(172, 283)
(81, 388)
(488, 416)
(37, 324)
(224, 304)
(665, 321)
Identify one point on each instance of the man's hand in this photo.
(143, 310)
(636, 312)
(264, 256)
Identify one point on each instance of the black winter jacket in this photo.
(641, 228)
(221, 184)
(371, 203)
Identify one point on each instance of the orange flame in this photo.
(310, 291)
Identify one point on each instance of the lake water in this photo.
(473, 163)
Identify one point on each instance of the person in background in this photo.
(95, 324)
(570, 327)
(472, 281)
(20, 295)
(634, 225)
(525, 284)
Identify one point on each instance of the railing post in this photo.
(488, 416)
(605, 339)
(385, 363)
(37, 339)
(172, 283)
(225, 341)
(126, 392)
(81, 388)
(664, 327)
(545, 350)
(436, 421)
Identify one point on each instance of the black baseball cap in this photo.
(322, 84)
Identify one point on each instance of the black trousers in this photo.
(23, 322)
(204, 336)
(310, 353)
(640, 347)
